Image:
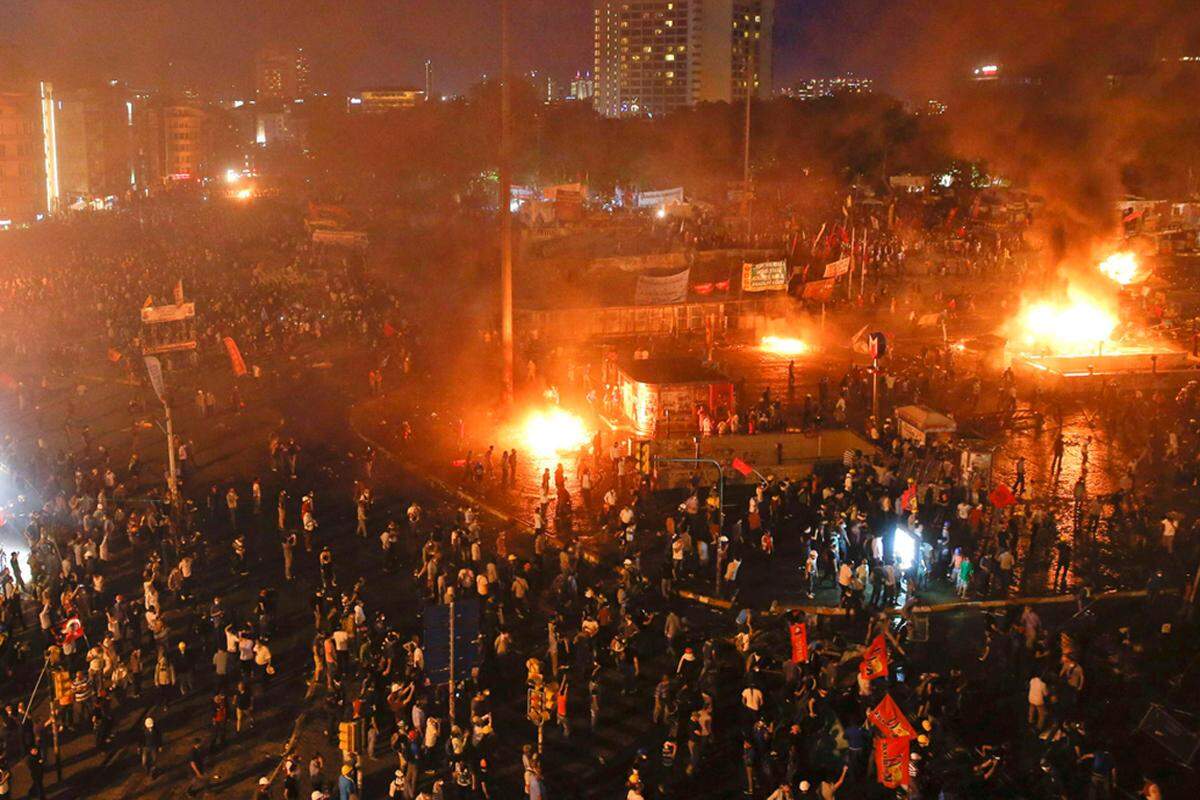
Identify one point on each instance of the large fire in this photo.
(1121, 267)
(1079, 326)
(783, 346)
(553, 430)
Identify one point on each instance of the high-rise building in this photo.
(97, 141)
(654, 56)
(282, 73)
(184, 144)
(22, 163)
(582, 87)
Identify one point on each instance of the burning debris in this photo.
(1123, 268)
(783, 346)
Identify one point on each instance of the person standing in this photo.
(37, 773)
(288, 544)
(347, 787)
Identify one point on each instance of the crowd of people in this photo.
(180, 634)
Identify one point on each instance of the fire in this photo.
(552, 431)
(1120, 267)
(783, 346)
(1077, 327)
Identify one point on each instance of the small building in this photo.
(660, 395)
(923, 425)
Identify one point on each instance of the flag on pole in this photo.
(891, 761)
(235, 357)
(908, 500)
(890, 720)
(742, 467)
(874, 660)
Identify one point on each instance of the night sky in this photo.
(909, 46)
(210, 45)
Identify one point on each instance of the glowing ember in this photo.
(783, 346)
(1121, 267)
(554, 431)
(1077, 327)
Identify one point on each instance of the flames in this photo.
(551, 431)
(1079, 326)
(1121, 267)
(783, 346)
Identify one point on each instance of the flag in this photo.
(890, 720)
(114, 355)
(819, 290)
(703, 288)
(722, 286)
(1131, 216)
(742, 467)
(799, 636)
(891, 761)
(874, 660)
(388, 330)
(1001, 496)
(72, 629)
(154, 370)
(149, 302)
(908, 500)
(235, 357)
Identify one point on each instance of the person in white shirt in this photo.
(1037, 702)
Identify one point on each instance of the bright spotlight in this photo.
(661, 213)
(232, 176)
(904, 548)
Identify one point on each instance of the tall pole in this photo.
(506, 231)
(452, 704)
(750, 84)
(172, 469)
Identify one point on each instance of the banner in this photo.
(818, 290)
(837, 268)
(235, 357)
(178, 293)
(874, 660)
(656, 291)
(890, 720)
(798, 632)
(891, 761)
(154, 370)
(173, 313)
(345, 238)
(663, 197)
(767, 276)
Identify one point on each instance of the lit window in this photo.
(670, 56)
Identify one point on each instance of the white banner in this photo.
(767, 276)
(658, 291)
(347, 238)
(168, 313)
(837, 268)
(663, 197)
(154, 369)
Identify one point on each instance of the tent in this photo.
(922, 423)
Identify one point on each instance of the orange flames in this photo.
(553, 430)
(783, 346)
(1121, 267)
(1079, 326)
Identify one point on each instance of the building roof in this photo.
(671, 370)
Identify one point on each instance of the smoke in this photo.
(1088, 99)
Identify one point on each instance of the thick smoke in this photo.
(1093, 99)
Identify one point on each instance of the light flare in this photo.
(1079, 326)
(1121, 267)
(783, 345)
(551, 431)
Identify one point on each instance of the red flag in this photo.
(799, 635)
(722, 286)
(890, 720)
(388, 330)
(819, 289)
(1002, 496)
(891, 761)
(72, 629)
(874, 660)
(114, 355)
(703, 288)
(742, 467)
(908, 500)
(235, 357)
